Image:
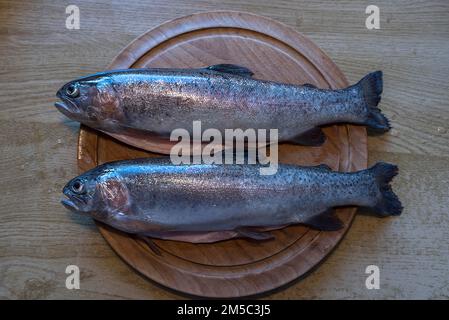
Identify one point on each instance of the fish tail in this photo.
(371, 86)
(388, 203)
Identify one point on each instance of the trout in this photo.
(211, 202)
(137, 105)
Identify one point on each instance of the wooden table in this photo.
(39, 238)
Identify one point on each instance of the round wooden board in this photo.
(233, 268)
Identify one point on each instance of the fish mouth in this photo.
(72, 202)
(67, 107)
(69, 204)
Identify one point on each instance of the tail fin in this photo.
(371, 86)
(388, 204)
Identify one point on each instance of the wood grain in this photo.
(273, 52)
(37, 144)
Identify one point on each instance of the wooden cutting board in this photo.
(273, 51)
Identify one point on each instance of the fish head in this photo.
(101, 194)
(80, 194)
(92, 101)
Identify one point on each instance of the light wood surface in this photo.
(38, 54)
(233, 268)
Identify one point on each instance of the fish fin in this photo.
(312, 137)
(150, 243)
(325, 221)
(372, 86)
(232, 69)
(198, 237)
(389, 203)
(146, 141)
(323, 166)
(255, 235)
(309, 85)
(115, 195)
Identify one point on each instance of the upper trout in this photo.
(136, 105)
(207, 203)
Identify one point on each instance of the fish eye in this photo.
(73, 91)
(78, 186)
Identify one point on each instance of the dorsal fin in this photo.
(232, 69)
(323, 166)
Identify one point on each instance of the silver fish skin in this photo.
(207, 203)
(133, 105)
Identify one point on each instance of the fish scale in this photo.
(133, 105)
(203, 203)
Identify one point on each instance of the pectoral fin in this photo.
(232, 69)
(325, 221)
(312, 137)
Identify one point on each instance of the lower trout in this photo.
(137, 105)
(208, 203)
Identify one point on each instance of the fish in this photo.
(137, 106)
(205, 203)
